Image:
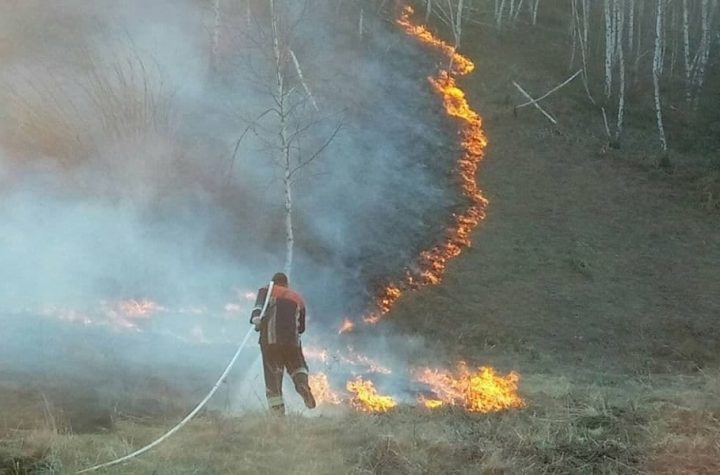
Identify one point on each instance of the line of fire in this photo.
(474, 390)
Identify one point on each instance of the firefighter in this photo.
(280, 328)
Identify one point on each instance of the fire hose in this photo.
(192, 413)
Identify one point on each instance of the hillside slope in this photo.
(594, 278)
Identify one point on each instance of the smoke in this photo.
(120, 182)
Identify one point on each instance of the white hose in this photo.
(192, 413)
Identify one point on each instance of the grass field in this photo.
(595, 276)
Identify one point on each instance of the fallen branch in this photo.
(534, 102)
(547, 94)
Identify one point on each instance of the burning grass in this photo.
(433, 262)
(366, 398)
(642, 426)
(479, 391)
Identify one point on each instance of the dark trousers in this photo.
(276, 359)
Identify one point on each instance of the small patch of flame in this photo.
(354, 359)
(430, 403)
(346, 326)
(460, 64)
(312, 353)
(479, 391)
(365, 397)
(322, 391)
(386, 301)
(143, 308)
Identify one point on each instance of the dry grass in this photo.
(73, 114)
(594, 278)
(664, 425)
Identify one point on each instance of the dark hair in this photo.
(280, 279)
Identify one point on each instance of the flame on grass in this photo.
(354, 359)
(475, 391)
(433, 262)
(459, 63)
(138, 308)
(346, 326)
(365, 397)
(317, 354)
(322, 391)
(347, 358)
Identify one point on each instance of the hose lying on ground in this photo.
(192, 413)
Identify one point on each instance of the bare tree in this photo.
(657, 68)
(292, 119)
(216, 31)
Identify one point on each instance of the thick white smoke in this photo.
(119, 182)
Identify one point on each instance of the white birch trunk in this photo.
(631, 25)
(657, 69)
(284, 142)
(535, 9)
(638, 41)
(289, 234)
(574, 33)
(583, 35)
(428, 10)
(620, 28)
(458, 23)
(703, 54)
(518, 10)
(686, 51)
(586, 23)
(215, 52)
(609, 44)
(499, 15)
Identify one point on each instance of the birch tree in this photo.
(686, 50)
(215, 36)
(657, 68)
(291, 119)
(702, 56)
(619, 30)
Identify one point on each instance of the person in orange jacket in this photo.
(280, 327)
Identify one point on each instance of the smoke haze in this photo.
(120, 182)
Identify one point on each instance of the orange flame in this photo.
(480, 391)
(313, 353)
(355, 359)
(433, 262)
(365, 397)
(430, 403)
(321, 390)
(460, 64)
(142, 308)
(346, 326)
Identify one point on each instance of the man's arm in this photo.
(257, 309)
(301, 318)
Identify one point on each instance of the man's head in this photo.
(280, 279)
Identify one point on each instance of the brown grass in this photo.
(71, 115)
(595, 276)
(645, 425)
